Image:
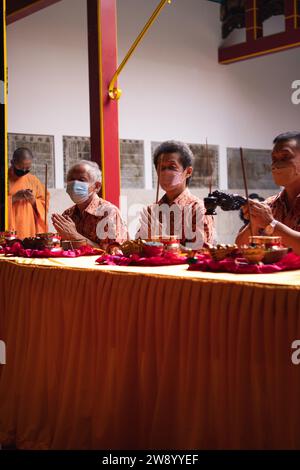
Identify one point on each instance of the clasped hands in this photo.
(261, 214)
(24, 195)
(65, 227)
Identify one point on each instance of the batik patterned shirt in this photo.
(184, 218)
(288, 215)
(100, 222)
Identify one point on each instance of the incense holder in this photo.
(274, 254)
(73, 244)
(220, 252)
(253, 254)
(132, 247)
(265, 241)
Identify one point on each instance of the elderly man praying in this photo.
(93, 220)
(279, 215)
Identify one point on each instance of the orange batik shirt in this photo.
(22, 216)
(289, 216)
(100, 222)
(184, 218)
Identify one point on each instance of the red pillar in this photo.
(3, 119)
(292, 14)
(102, 44)
(254, 28)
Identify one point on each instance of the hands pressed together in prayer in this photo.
(65, 227)
(261, 214)
(24, 195)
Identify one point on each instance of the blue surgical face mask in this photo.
(78, 191)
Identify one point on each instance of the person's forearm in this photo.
(243, 236)
(90, 242)
(290, 238)
(87, 240)
(79, 238)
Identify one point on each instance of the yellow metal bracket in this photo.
(113, 91)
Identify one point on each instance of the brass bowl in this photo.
(10, 233)
(173, 248)
(49, 240)
(8, 238)
(46, 235)
(220, 252)
(253, 254)
(170, 244)
(132, 247)
(73, 244)
(265, 241)
(273, 256)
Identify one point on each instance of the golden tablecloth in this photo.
(121, 357)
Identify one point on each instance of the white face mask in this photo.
(78, 191)
(170, 179)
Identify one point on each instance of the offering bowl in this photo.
(274, 254)
(132, 247)
(153, 249)
(220, 252)
(48, 240)
(265, 241)
(73, 244)
(253, 254)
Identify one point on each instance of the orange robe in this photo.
(22, 216)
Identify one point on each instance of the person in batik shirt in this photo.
(92, 219)
(178, 213)
(279, 215)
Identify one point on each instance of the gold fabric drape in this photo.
(131, 358)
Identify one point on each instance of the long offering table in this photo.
(125, 357)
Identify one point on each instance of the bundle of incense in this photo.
(46, 193)
(246, 189)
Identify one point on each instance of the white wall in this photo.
(173, 87)
(48, 75)
(176, 82)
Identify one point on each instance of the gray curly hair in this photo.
(93, 169)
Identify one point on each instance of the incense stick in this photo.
(207, 162)
(158, 178)
(46, 193)
(246, 189)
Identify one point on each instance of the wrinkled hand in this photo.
(65, 227)
(261, 214)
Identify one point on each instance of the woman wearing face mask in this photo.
(91, 220)
(26, 197)
(279, 215)
(178, 213)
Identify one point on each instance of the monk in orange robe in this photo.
(26, 197)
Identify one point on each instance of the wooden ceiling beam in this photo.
(18, 9)
(256, 44)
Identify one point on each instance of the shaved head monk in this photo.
(26, 197)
